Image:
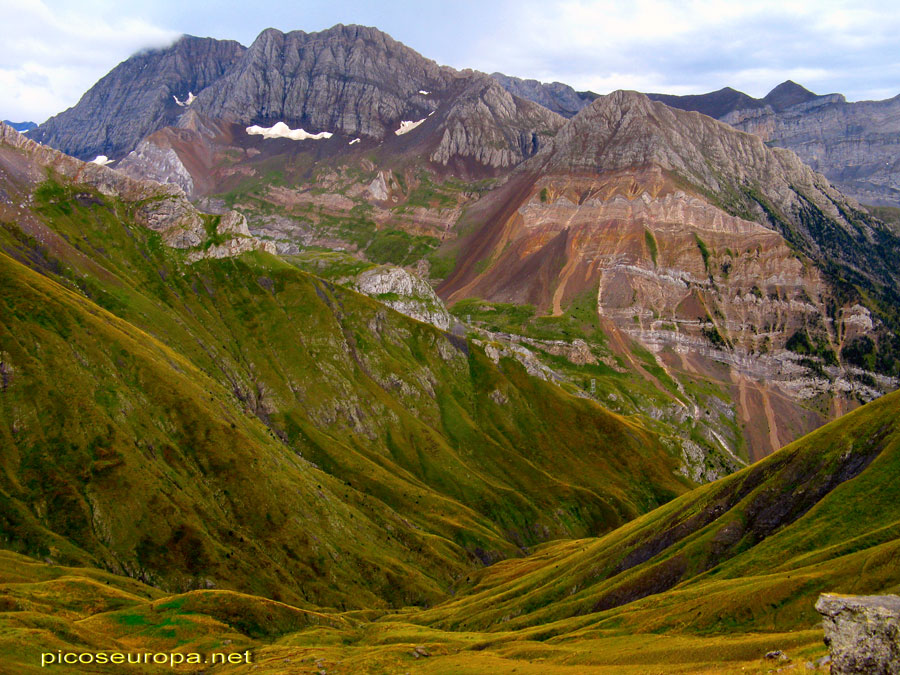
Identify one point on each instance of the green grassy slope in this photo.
(242, 422)
(707, 583)
(749, 552)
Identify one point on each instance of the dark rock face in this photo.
(349, 79)
(715, 103)
(720, 103)
(863, 633)
(556, 96)
(787, 94)
(136, 98)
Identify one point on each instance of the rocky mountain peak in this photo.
(487, 124)
(348, 79)
(734, 171)
(786, 94)
(715, 103)
(556, 96)
(137, 97)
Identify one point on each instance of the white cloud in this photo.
(699, 45)
(52, 55)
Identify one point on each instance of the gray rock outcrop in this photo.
(863, 633)
(348, 79)
(489, 125)
(157, 162)
(556, 96)
(855, 145)
(352, 81)
(406, 293)
(162, 208)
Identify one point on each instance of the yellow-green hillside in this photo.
(241, 424)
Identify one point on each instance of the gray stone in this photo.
(404, 292)
(350, 80)
(863, 633)
(556, 96)
(162, 164)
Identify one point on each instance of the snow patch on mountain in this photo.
(282, 130)
(102, 160)
(355, 140)
(190, 99)
(407, 126)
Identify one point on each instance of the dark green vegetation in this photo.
(650, 240)
(579, 320)
(859, 261)
(888, 214)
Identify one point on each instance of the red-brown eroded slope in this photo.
(713, 295)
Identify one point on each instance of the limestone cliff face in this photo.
(405, 292)
(492, 127)
(349, 79)
(138, 97)
(856, 145)
(156, 159)
(556, 96)
(736, 171)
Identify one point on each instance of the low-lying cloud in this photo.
(51, 56)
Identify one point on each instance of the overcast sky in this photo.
(54, 50)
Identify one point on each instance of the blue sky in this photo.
(54, 50)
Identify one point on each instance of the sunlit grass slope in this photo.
(705, 584)
(750, 552)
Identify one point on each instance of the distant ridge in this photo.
(21, 127)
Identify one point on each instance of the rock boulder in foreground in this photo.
(863, 632)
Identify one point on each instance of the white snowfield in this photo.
(423, 92)
(406, 126)
(355, 140)
(282, 130)
(102, 160)
(190, 99)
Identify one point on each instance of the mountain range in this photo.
(357, 361)
(853, 144)
(21, 126)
